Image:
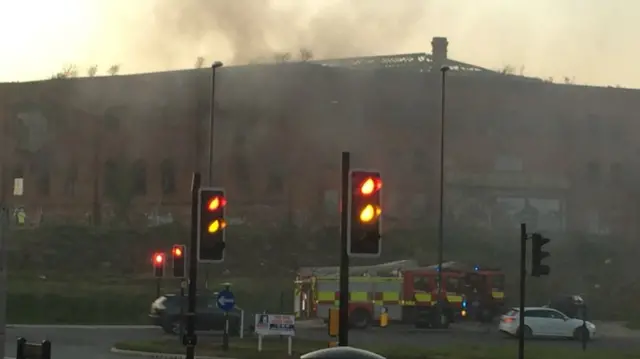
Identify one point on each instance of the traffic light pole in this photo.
(4, 229)
(190, 340)
(343, 323)
(523, 278)
(182, 282)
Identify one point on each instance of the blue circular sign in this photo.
(226, 301)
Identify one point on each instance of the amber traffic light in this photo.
(211, 225)
(365, 214)
(179, 260)
(158, 260)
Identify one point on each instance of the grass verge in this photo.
(112, 300)
(633, 324)
(274, 348)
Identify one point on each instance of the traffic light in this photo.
(178, 260)
(158, 265)
(537, 255)
(211, 225)
(365, 210)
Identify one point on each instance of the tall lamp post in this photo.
(443, 71)
(214, 66)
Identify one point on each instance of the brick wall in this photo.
(279, 132)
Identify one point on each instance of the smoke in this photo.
(571, 38)
(240, 31)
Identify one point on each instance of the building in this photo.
(560, 157)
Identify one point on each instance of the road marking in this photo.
(72, 326)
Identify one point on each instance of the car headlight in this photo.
(591, 326)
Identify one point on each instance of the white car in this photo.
(545, 322)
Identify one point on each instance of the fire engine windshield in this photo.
(498, 282)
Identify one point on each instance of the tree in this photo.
(282, 57)
(123, 180)
(306, 54)
(67, 72)
(114, 70)
(508, 70)
(92, 70)
(199, 62)
(521, 71)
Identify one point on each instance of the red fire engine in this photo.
(405, 290)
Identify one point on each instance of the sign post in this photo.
(226, 301)
(276, 325)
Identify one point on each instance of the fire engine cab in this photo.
(407, 291)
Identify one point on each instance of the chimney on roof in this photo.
(439, 51)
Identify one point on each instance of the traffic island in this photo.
(276, 348)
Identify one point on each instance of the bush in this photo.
(108, 308)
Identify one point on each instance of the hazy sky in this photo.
(595, 41)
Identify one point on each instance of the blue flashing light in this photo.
(464, 303)
(476, 268)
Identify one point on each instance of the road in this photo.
(409, 336)
(76, 343)
(82, 343)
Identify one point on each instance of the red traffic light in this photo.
(216, 203)
(370, 186)
(158, 258)
(177, 251)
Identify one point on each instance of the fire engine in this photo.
(407, 291)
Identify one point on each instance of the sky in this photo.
(590, 41)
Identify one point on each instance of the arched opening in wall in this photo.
(419, 161)
(43, 182)
(168, 177)
(111, 119)
(617, 174)
(110, 180)
(593, 174)
(71, 177)
(240, 170)
(275, 183)
(18, 171)
(139, 178)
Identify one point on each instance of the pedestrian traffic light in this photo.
(211, 225)
(364, 210)
(537, 255)
(178, 260)
(158, 264)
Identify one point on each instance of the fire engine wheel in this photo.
(360, 319)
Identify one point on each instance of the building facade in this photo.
(560, 157)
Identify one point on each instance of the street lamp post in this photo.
(443, 70)
(214, 66)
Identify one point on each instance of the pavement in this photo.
(78, 342)
(81, 342)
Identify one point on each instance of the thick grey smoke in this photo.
(250, 29)
(591, 40)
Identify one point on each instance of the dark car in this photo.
(165, 312)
